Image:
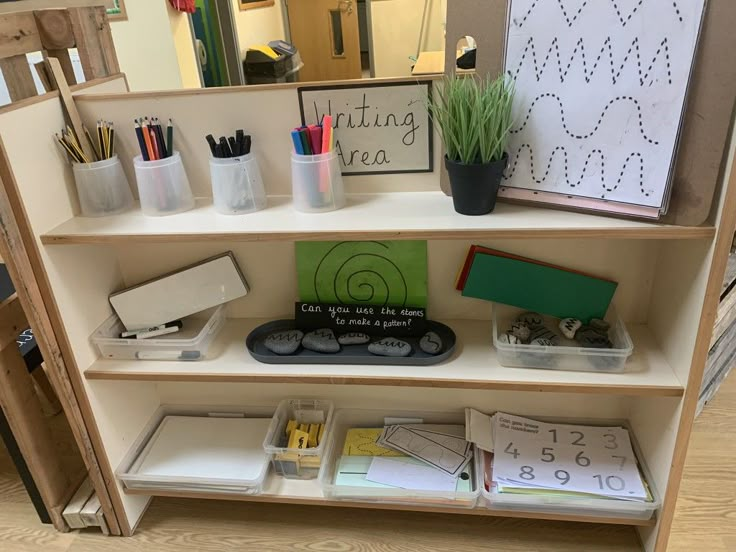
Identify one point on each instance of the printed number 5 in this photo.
(547, 455)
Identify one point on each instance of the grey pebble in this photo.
(600, 326)
(321, 341)
(522, 331)
(532, 319)
(594, 340)
(390, 346)
(283, 343)
(431, 343)
(568, 327)
(545, 333)
(353, 338)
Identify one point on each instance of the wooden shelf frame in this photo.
(407, 215)
(474, 366)
(669, 280)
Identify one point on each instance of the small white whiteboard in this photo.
(206, 448)
(379, 128)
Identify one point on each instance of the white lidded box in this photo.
(589, 506)
(237, 185)
(346, 419)
(566, 356)
(199, 449)
(102, 188)
(192, 342)
(163, 186)
(298, 463)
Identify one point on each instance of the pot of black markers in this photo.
(316, 178)
(237, 184)
(163, 185)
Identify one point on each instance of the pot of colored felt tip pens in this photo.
(101, 184)
(316, 179)
(163, 185)
(237, 184)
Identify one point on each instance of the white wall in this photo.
(145, 46)
(258, 25)
(184, 46)
(396, 30)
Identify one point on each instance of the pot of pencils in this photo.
(163, 185)
(102, 187)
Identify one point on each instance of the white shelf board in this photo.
(375, 216)
(474, 366)
(291, 491)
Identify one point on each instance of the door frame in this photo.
(369, 24)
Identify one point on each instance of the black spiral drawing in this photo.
(613, 3)
(606, 185)
(606, 51)
(367, 276)
(587, 135)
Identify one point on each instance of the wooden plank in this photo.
(707, 119)
(36, 298)
(94, 42)
(70, 108)
(12, 6)
(47, 391)
(55, 29)
(65, 61)
(12, 320)
(23, 411)
(18, 77)
(18, 35)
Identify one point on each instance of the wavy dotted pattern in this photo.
(571, 19)
(585, 136)
(529, 57)
(595, 154)
(367, 276)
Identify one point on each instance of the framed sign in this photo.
(250, 4)
(117, 12)
(381, 128)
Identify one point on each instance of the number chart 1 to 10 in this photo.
(595, 460)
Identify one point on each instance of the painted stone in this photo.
(568, 327)
(522, 331)
(532, 319)
(431, 343)
(545, 333)
(321, 341)
(353, 338)
(390, 346)
(284, 342)
(542, 342)
(601, 326)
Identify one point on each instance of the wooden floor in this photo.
(706, 517)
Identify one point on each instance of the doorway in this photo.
(216, 43)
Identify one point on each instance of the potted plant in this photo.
(473, 118)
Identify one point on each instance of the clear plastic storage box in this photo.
(192, 342)
(575, 505)
(566, 356)
(250, 484)
(347, 419)
(294, 463)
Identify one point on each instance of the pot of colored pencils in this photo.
(163, 185)
(102, 187)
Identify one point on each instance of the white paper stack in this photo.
(192, 453)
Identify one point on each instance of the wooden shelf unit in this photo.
(669, 280)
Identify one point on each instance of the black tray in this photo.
(349, 354)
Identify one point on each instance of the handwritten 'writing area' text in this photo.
(379, 128)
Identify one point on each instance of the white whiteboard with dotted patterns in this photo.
(601, 88)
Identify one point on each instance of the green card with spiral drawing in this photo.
(363, 273)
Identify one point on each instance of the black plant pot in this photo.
(475, 187)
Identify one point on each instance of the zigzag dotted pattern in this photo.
(598, 124)
(607, 45)
(596, 152)
(571, 21)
